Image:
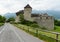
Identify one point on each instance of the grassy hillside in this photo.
(57, 28)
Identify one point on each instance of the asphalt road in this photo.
(10, 33)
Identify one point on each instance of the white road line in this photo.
(19, 36)
(2, 30)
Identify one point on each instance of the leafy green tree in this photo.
(28, 23)
(21, 17)
(57, 22)
(11, 19)
(35, 25)
(2, 19)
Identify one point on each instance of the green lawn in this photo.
(47, 36)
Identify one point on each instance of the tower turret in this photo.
(27, 12)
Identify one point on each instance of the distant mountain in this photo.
(56, 14)
(8, 15)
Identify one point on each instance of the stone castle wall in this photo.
(17, 18)
(43, 20)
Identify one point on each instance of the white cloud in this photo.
(46, 4)
(16, 5)
(11, 5)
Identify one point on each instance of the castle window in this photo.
(46, 17)
(40, 17)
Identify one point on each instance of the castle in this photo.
(43, 20)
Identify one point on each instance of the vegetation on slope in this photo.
(2, 19)
(28, 23)
(44, 35)
(57, 22)
(12, 19)
(57, 26)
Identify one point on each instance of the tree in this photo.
(57, 22)
(11, 19)
(2, 19)
(21, 17)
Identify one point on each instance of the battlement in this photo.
(45, 16)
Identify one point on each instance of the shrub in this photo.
(2, 19)
(43, 28)
(11, 19)
(21, 17)
(35, 25)
(28, 23)
(57, 22)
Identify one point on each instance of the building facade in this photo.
(43, 20)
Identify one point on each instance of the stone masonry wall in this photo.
(27, 14)
(17, 18)
(48, 23)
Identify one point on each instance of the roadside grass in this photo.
(57, 28)
(46, 36)
(1, 24)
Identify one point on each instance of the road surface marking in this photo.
(18, 36)
(2, 30)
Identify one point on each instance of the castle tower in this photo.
(27, 12)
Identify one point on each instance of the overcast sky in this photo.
(11, 6)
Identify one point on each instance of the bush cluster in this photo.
(12, 19)
(57, 22)
(2, 19)
(28, 23)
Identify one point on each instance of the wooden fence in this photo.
(37, 32)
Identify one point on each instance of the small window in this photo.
(40, 17)
(46, 17)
